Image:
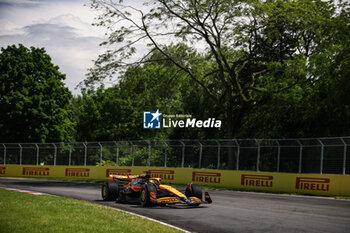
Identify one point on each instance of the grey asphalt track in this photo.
(230, 212)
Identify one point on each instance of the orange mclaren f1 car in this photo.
(149, 191)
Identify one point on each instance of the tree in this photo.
(116, 113)
(242, 40)
(319, 108)
(332, 67)
(250, 47)
(34, 103)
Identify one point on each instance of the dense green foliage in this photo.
(34, 103)
(281, 72)
(116, 113)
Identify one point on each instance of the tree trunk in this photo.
(234, 119)
(230, 133)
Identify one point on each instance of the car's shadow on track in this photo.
(138, 206)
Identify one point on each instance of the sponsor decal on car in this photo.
(78, 172)
(257, 180)
(165, 200)
(206, 177)
(2, 170)
(163, 174)
(117, 171)
(36, 171)
(308, 183)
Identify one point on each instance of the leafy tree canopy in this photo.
(116, 112)
(34, 103)
(246, 48)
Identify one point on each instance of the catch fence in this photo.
(314, 155)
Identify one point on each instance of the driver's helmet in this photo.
(155, 181)
(144, 176)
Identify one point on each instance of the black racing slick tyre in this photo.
(194, 190)
(110, 191)
(148, 195)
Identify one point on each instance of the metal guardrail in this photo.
(306, 155)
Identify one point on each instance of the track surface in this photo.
(230, 212)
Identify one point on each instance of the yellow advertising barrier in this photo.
(323, 185)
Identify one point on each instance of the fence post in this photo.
(55, 154)
(4, 154)
(37, 154)
(70, 155)
(132, 153)
(165, 153)
(344, 158)
(85, 153)
(237, 157)
(200, 154)
(117, 154)
(219, 150)
(149, 153)
(278, 155)
(321, 155)
(300, 155)
(100, 154)
(258, 157)
(20, 154)
(183, 154)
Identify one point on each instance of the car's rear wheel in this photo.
(148, 195)
(194, 190)
(110, 191)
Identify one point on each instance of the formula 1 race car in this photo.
(149, 191)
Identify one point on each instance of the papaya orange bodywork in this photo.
(173, 190)
(153, 196)
(137, 185)
(136, 188)
(167, 200)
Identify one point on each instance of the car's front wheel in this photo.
(194, 190)
(148, 195)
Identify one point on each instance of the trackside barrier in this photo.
(322, 185)
(329, 155)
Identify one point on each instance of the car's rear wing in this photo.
(122, 177)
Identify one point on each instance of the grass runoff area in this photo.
(22, 212)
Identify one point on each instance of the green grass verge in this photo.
(22, 212)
